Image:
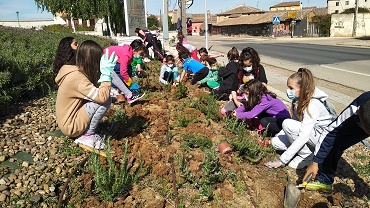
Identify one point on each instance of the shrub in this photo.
(111, 182)
(26, 58)
(207, 104)
(197, 141)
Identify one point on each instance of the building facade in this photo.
(286, 6)
(338, 6)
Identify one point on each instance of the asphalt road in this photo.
(349, 66)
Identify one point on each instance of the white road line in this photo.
(358, 73)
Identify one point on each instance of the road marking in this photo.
(358, 73)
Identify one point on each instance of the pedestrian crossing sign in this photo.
(276, 20)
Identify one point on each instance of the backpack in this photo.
(330, 108)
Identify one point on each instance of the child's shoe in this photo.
(135, 97)
(91, 140)
(223, 111)
(318, 186)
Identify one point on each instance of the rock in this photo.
(25, 164)
(52, 189)
(2, 158)
(3, 187)
(46, 187)
(2, 197)
(58, 170)
(17, 192)
(35, 198)
(2, 181)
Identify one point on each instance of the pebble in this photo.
(2, 197)
(2, 158)
(3, 187)
(35, 198)
(25, 164)
(2, 181)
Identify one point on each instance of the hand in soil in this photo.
(274, 164)
(312, 169)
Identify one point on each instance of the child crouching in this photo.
(169, 72)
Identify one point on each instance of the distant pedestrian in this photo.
(310, 118)
(150, 40)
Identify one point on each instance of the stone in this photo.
(2, 197)
(2, 158)
(17, 192)
(35, 198)
(58, 170)
(52, 189)
(2, 181)
(3, 187)
(25, 164)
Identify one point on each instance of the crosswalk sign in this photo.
(276, 20)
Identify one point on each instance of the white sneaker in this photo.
(94, 141)
(298, 162)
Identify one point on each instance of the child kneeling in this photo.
(169, 72)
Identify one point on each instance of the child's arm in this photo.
(257, 110)
(176, 76)
(91, 93)
(183, 73)
(305, 130)
(234, 98)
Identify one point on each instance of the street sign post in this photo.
(276, 20)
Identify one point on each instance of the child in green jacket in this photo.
(212, 80)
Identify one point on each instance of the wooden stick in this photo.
(99, 152)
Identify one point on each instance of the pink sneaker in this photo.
(93, 140)
(223, 111)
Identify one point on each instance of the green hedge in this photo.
(26, 58)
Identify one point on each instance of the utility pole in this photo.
(206, 22)
(165, 21)
(354, 31)
(18, 18)
(183, 17)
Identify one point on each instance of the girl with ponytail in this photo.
(309, 119)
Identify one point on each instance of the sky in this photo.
(216, 6)
(28, 10)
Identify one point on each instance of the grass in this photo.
(183, 120)
(197, 141)
(363, 167)
(207, 104)
(111, 181)
(69, 149)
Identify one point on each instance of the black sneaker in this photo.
(135, 97)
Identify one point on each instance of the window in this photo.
(337, 3)
(336, 11)
(292, 8)
(347, 2)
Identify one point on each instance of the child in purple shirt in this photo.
(263, 104)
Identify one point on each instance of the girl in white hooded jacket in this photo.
(310, 117)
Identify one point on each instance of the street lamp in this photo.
(18, 19)
(206, 22)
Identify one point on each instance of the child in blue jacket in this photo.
(192, 66)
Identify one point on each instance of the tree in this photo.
(324, 23)
(169, 22)
(352, 10)
(87, 9)
(152, 21)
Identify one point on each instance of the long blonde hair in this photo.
(306, 83)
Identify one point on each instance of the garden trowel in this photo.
(293, 193)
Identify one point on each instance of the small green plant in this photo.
(183, 120)
(111, 182)
(68, 148)
(248, 149)
(197, 141)
(211, 173)
(363, 167)
(184, 169)
(207, 104)
(181, 91)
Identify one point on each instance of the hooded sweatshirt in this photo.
(124, 54)
(74, 91)
(273, 107)
(317, 120)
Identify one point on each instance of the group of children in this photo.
(84, 86)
